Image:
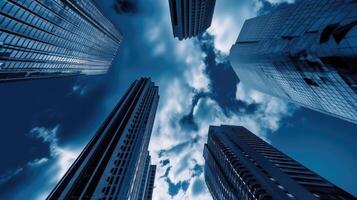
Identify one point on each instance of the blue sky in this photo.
(46, 123)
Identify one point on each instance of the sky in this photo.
(46, 123)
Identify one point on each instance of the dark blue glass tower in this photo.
(240, 165)
(305, 53)
(150, 183)
(115, 163)
(191, 17)
(54, 38)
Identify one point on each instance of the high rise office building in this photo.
(191, 17)
(305, 53)
(240, 165)
(115, 163)
(54, 38)
(145, 186)
(150, 183)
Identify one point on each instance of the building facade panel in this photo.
(240, 165)
(191, 17)
(113, 164)
(54, 38)
(145, 178)
(150, 183)
(305, 53)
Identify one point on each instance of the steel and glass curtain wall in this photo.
(240, 165)
(54, 38)
(305, 53)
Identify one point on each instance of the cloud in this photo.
(37, 162)
(228, 19)
(189, 106)
(47, 136)
(197, 88)
(9, 175)
(185, 147)
(271, 110)
(61, 157)
(43, 173)
(79, 90)
(230, 15)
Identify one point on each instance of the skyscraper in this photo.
(54, 38)
(240, 165)
(114, 162)
(305, 53)
(150, 182)
(191, 17)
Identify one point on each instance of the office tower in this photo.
(147, 181)
(150, 183)
(305, 53)
(191, 17)
(240, 165)
(54, 38)
(113, 163)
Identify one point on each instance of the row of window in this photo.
(119, 171)
(49, 36)
(239, 176)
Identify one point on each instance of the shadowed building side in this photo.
(240, 165)
(191, 17)
(150, 183)
(115, 163)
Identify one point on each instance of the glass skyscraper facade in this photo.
(305, 53)
(240, 165)
(150, 183)
(191, 17)
(115, 164)
(54, 38)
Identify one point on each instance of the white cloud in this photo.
(271, 109)
(176, 99)
(176, 102)
(228, 19)
(176, 96)
(10, 174)
(79, 90)
(63, 156)
(37, 162)
(60, 159)
(267, 118)
(196, 78)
